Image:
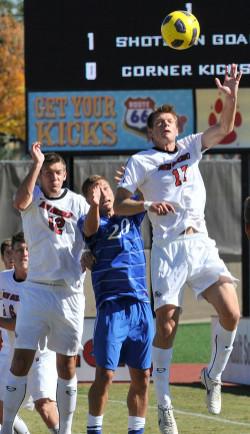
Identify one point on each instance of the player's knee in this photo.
(230, 318)
(140, 380)
(166, 329)
(43, 407)
(106, 377)
(20, 364)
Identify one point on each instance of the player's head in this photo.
(6, 254)
(20, 252)
(162, 125)
(106, 193)
(53, 174)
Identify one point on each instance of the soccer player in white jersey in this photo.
(53, 299)
(6, 256)
(41, 386)
(169, 178)
(124, 322)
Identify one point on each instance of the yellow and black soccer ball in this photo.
(180, 30)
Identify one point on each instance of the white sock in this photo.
(66, 402)
(161, 367)
(221, 350)
(94, 422)
(54, 430)
(136, 423)
(13, 398)
(20, 426)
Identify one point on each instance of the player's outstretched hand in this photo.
(119, 174)
(36, 153)
(161, 208)
(231, 81)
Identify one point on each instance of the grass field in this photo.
(192, 346)
(191, 414)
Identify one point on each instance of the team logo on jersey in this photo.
(11, 388)
(157, 294)
(136, 115)
(56, 217)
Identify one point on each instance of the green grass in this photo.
(190, 411)
(192, 343)
(192, 346)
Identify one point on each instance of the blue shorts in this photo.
(124, 331)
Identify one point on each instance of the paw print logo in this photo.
(182, 120)
(213, 118)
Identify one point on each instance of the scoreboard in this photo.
(96, 68)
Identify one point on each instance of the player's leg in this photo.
(42, 384)
(137, 400)
(169, 271)
(66, 391)
(222, 295)
(98, 396)
(137, 351)
(66, 328)
(49, 414)
(16, 387)
(167, 319)
(111, 330)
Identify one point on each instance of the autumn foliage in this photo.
(12, 94)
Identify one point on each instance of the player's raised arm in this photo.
(92, 219)
(214, 135)
(125, 205)
(23, 196)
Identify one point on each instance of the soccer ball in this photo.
(180, 30)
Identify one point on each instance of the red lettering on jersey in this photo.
(10, 296)
(56, 217)
(169, 166)
(180, 175)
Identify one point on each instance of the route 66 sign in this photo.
(137, 112)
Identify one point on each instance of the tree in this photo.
(12, 93)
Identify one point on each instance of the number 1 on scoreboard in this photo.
(91, 41)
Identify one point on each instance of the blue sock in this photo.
(94, 424)
(136, 431)
(136, 425)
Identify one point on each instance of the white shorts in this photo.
(190, 259)
(52, 311)
(5, 359)
(42, 377)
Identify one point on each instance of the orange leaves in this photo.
(12, 94)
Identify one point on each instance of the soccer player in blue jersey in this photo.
(124, 322)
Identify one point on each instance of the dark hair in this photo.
(4, 244)
(165, 108)
(17, 238)
(53, 157)
(91, 180)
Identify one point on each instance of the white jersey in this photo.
(9, 298)
(55, 242)
(172, 177)
(39, 385)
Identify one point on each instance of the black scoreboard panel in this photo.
(108, 44)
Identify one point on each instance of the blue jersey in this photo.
(120, 268)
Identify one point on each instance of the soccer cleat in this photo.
(166, 420)
(213, 398)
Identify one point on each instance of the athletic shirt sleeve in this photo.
(193, 142)
(134, 175)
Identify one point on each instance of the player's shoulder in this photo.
(189, 141)
(76, 198)
(6, 276)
